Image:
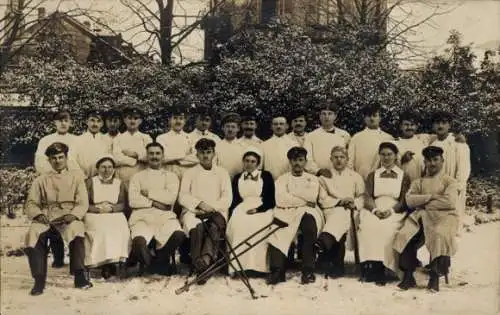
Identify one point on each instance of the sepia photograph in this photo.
(243, 157)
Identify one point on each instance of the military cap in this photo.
(440, 116)
(56, 148)
(95, 113)
(248, 114)
(204, 144)
(62, 114)
(432, 151)
(112, 113)
(328, 105)
(203, 111)
(133, 111)
(296, 152)
(231, 118)
(388, 145)
(176, 110)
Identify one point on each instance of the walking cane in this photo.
(221, 262)
(355, 239)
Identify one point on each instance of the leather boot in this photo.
(433, 284)
(408, 281)
(39, 286)
(307, 276)
(277, 275)
(82, 280)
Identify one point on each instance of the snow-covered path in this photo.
(477, 264)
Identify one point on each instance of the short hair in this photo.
(388, 145)
(296, 113)
(441, 116)
(371, 109)
(56, 148)
(231, 118)
(432, 151)
(204, 144)
(112, 113)
(177, 111)
(248, 114)
(104, 159)
(339, 148)
(296, 152)
(155, 144)
(203, 111)
(61, 115)
(94, 113)
(409, 115)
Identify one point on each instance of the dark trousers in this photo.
(205, 238)
(309, 231)
(408, 260)
(57, 247)
(37, 256)
(334, 249)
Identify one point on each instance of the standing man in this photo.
(179, 155)
(113, 121)
(129, 148)
(298, 121)
(456, 157)
(63, 122)
(276, 148)
(56, 204)
(249, 126)
(410, 146)
(205, 194)
(345, 192)
(203, 123)
(152, 195)
(364, 145)
(297, 197)
(231, 149)
(92, 144)
(433, 222)
(320, 142)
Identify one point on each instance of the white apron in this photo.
(375, 236)
(242, 225)
(338, 221)
(107, 237)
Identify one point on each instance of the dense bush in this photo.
(14, 186)
(272, 68)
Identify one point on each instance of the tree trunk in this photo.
(166, 20)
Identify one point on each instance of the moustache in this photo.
(248, 129)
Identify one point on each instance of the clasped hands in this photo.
(347, 203)
(382, 213)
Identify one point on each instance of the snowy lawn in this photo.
(474, 289)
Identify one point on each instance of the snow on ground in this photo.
(474, 289)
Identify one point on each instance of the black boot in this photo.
(140, 253)
(82, 280)
(57, 248)
(307, 276)
(379, 273)
(276, 276)
(408, 281)
(39, 286)
(433, 284)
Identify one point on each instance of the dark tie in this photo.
(389, 174)
(249, 176)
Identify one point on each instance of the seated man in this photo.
(345, 192)
(152, 194)
(205, 194)
(297, 195)
(56, 203)
(434, 222)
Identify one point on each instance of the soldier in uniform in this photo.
(112, 121)
(249, 126)
(56, 203)
(230, 149)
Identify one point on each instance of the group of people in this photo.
(119, 197)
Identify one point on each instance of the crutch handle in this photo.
(182, 289)
(279, 223)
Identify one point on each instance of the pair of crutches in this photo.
(227, 259)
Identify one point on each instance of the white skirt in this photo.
(376, 236)
(107, 238)
(242, 225)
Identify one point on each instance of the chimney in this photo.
(41, 13)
